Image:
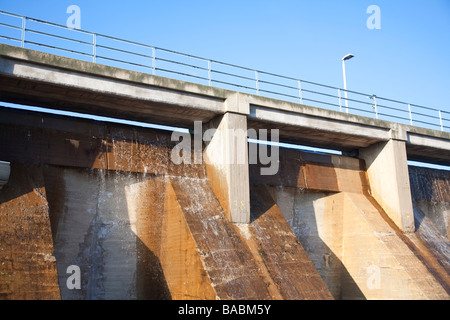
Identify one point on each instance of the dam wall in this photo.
(107, 200)
(111, 203)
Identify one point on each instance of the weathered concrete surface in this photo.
(430, 191)
(259, 260)
(356, 248)
(387, 170)
(141, 227)
(27, 263)
(180, 260)
(282, 254)
(317, 172)
(95, 220)
(227, 167)
(32, 137)
(402, 269)
(137, 225)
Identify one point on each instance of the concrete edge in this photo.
(70, 64)
(246, 100)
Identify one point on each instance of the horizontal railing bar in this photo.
(357, 101)
(361, 110)
(322, 102)
(10, 38)
(233, 75)
(180, 73)
(57, 36)
(232, 65)
(402, 102)
(332, 96)
(124, 51)
(423, 107)
(10, 26)
(181, 63)
(424, 115)
(312, 83)
(234, 85)
(58, 25)
(11, 14)
(428, 123)
(184, 54)
(58, 48)
(279, 93)
(124, 62)
(391, 100)
(278, 84)
(391, 108)
(392, 116)
(99, 35)
(304, 81)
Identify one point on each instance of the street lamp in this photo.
(347, 57)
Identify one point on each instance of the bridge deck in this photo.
(41, 79)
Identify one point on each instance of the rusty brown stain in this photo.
(420, 249)
(183, 269)
(320, 177)
(284, 257)
(227, 259)
(27, 265)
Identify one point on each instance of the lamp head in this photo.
(347, 57)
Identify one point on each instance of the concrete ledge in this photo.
(48, 86)
(429, 148)
(47, 59)
(317, 128)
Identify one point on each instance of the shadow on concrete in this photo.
(22, 180)
(263, 201)
(92, 228)
(57, 146)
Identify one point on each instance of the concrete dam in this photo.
(99, 210)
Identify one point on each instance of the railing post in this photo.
(374, 105)
(94, 47)
(153, 60)
(209, 73)
(346, 100)
(300, 91)
(22, 41)
(257, 83)
(410, 114)
(440, 120)
(340, 102)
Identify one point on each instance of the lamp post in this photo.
(347, 57)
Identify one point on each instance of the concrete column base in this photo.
(387, 170)
(226, 155)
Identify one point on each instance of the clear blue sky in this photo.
(407, 59)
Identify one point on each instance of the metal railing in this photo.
(80, 44)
